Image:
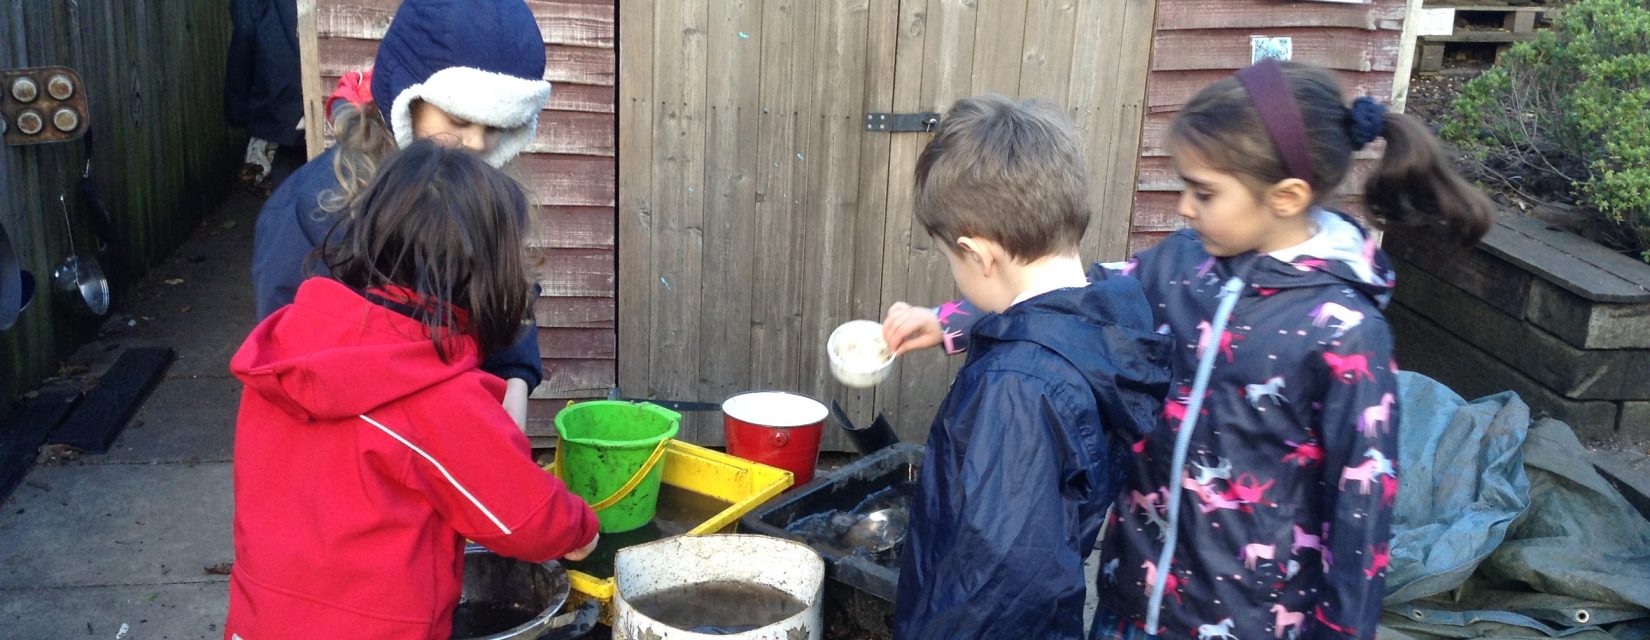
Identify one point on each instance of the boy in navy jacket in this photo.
(1024, 456)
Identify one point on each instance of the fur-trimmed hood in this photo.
(478, 60)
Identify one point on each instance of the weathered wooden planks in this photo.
(1201, 41)
(806, 221)
(162, 154)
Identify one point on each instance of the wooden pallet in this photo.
(1519, 23)
(1501, 37)
(1517, 19)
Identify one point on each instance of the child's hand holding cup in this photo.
(908, 328)
(860, 357)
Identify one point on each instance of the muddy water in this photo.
(679, 510)
(477, 619)
(719, 607)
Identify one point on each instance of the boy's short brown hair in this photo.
(1010, 172)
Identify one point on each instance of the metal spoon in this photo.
(879, 530)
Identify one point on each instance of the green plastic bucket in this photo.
(604, 445)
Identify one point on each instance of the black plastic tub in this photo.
(861, 586)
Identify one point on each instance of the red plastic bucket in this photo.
(777, 429)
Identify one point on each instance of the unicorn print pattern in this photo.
(1293, 448)
(1272, 390)
(1302, 411)
(1337, 317)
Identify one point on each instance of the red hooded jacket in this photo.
(362, 462)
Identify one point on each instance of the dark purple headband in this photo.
(1270, 93)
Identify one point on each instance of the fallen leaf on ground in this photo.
(174, 281)
(58, 454)
(220, 569)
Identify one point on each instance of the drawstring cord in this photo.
(1229, 294)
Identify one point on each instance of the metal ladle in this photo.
(79, 278)
(879, 530)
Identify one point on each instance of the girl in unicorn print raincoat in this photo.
(1260, 505)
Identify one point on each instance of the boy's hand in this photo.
(909, 328)
(584, 551)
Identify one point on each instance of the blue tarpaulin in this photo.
(1503, 528)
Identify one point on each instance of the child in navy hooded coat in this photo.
(465, 73)
(1260, 505)
(1025, 452)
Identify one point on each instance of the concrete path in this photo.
(132, 544)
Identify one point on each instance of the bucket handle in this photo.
(629, 485)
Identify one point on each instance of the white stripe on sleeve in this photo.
(443, 470)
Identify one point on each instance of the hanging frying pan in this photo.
(16, 285)
(79, 279)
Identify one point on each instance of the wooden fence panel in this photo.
(1201, 41)
(808, 219)
(162, 154)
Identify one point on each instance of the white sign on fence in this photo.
(1276, 47)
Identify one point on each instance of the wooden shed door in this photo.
(756, 214)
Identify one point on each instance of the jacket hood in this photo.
(479, 60)
(1340, 253)
(1102, 330)
(333, 354)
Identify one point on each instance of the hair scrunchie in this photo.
(1368, 121)
(354, 87)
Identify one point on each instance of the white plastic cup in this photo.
(864, 334)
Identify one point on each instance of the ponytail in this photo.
(1416, 186)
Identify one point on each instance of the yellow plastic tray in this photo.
(744, 484)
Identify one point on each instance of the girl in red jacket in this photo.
(369, 445)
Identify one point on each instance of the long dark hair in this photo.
(440, 230)
(1414, 186)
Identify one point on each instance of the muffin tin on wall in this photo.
(42, 104)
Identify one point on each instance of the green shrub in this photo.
(1573, 105)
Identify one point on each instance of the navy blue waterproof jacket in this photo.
(1023, 459)
(262, 91)
(292, 224)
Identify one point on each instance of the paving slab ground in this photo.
(133, 537)
(148, 612)
(116, 524)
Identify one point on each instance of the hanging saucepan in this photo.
(16, 285)
(79, 279)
